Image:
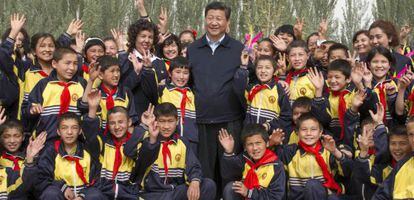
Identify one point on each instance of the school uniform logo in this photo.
(178, 157)
(75, 97)
(302, 91)
(272, 99)
(264, 175)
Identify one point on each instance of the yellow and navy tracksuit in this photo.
(326, 110)
(301, 86)
(272, 178)
(182, 165)
(142, 92)
(122, 97)
(57, 173)
(305, 176)
(400, 183)
(388, 99)
(187, 126)
(47, 93)
(368, 171)
(118, 186)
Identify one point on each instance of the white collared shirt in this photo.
(214, 44)
(138, 55)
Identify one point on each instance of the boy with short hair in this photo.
(299, 107)
(337, 51)
(259, 170)
(69, 168)
(171, 169)
(56, 94)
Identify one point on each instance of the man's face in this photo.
(216, 23)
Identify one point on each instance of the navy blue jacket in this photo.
(212, 74)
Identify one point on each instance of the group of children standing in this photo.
(95, 119)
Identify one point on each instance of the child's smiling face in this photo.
(309, 132)
(255, 146)
(264, 70)
(379, 66)
(298, 58)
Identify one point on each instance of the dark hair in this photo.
(170, 40)
(342, 66)
(305, 117)
(271, 44)
(93, 41)
(11, 124)
(179, 62)
(62, 51)
(268, 58)
(141, 25)
(109, 38)
(25, 42)
(107, 61)
(68, 116)
(389, 29)
(302, 102)
(165, 109)
(286, 28)
(398, 130)
(215, 5)
(360, 32)
(187, 32)
(297, 44)
(40, 37)
(118, 109)
(382, 51)
(338, 46)
(309, 36)
(250, 130)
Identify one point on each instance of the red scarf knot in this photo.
(184, 100)
(64, 97)
(109, 97)
(256, 89)
(295, 73)
(329, 180)
(251, 180)
(341, 109)
(15, 160)
(85, 68)
(118, 155)
(42, 73)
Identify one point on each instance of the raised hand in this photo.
(94, 69)
(317, 80)
(148, 116)
(357, 74)
(80, 41)
(3, 116)
(328, 142)
(281, 64)
(163, 36)
(154, 131)
(163, 20)
(364, 140)
(298, 27)
(377, 117)
(367, 75)
(390, 88)
(226, 140)
(139, 4)
(135, 62)
(352, 58)
(119, 38)
(323, 28)
(244, 58)
(94, 98)
(278, 43)
(277, 137)
(74, 27)
(405, 31)
(404, 82)
(17, 22)
(146, 59)
(35, 146)
(286, 87)
(358, 100)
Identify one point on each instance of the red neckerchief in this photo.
(256, 89)
(118, 154)
(166, 154)
(15, 160)
(341, 109)
(411, 99)
(85, 68)
(64, 97)
(329, 180)
(371, 151)
(42, 73)
(78, 166)
(292, 74)
(184, 100)
(251, 180)
(383, 101)
(393, 163)
(109, 97)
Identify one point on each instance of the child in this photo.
(68, 167)
(113, 94)
(187, 36)
(331, 107)
(94, 48)
(399, 184)
(169, 49)
(261, 173)
(18, 166)
(268, 104)
(56, 94)
(311, 164)
(338, 51)
(111, 47)
(116, 169)
(380, 60)
(297, 78)
(299, 107)
(265, 47)
(172, 171)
